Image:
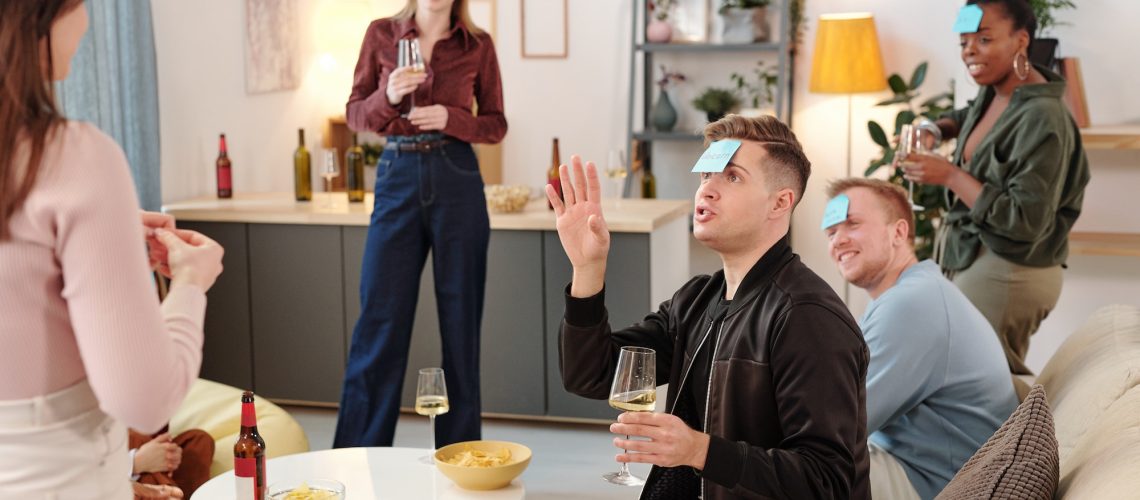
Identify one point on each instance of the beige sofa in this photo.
(1093, 387)
(216, 409)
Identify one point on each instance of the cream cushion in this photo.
(1093, 368)
(1105, 461)
(216, 409)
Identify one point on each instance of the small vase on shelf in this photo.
(658, 31)
(664, 115)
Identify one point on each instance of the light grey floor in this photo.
(567, 461)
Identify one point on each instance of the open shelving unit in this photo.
(641, 72)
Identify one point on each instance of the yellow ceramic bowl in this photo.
(483, 478)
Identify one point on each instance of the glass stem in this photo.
(431, 424)
(624, 465)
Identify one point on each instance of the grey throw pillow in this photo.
(1018, 462)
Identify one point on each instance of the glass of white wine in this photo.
(908, 145)
(329, 170)
(409, 55)
(634, 389)
(431, 400)
(616, 172)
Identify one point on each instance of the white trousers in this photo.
(61, 446)
(888, 479)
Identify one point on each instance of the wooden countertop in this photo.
(630, 216)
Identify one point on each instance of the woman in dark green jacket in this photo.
(1015, 183)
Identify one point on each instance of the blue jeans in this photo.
(424, 201)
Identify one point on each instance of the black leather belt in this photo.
(419, 147)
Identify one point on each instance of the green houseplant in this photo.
(760, 92)
(930, 197)
(1044, 48)
(716, 102)
(745, 21)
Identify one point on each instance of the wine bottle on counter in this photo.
(552, 175)
(249, 454)
(648, 181)
(354, 171)
(223, 169)
(302, 170)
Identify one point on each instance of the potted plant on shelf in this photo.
(659, 30)
(716, 103)
(745, 21)
(761, 93)
(664, 116)
(930, 197)
(1044, 49)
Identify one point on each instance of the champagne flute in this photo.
(431, 400)
(329, 170)
(615, 171)
(634, 389)
(908, 145)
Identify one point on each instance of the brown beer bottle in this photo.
(249, 454)
(225, 179)
(552, 175)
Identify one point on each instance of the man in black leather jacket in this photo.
(765, 365)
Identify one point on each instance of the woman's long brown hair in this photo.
(458, 11)
(28, 112)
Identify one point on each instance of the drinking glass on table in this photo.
(431, 400)
(634, 389)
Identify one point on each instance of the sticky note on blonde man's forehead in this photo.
(717, 156)
(836, 211)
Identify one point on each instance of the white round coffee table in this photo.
(367, 473)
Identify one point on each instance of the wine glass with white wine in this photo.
(329, 170)
(908, 145)
(431, 400)
(634, 389)
(409, 55)
(615, 171)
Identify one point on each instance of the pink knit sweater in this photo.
(76, 298)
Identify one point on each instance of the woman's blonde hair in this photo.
(458, 11)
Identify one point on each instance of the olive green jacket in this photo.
(1033, 172)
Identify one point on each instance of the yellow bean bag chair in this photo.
(216, 409)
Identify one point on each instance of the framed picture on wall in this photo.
(545, 33)
(270, 46)
(690, 21)
(483, 15)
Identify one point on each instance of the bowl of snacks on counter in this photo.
(306, 489)
(506, 199)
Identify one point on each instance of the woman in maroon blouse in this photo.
(429, 196)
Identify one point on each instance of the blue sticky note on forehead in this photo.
(836, 211)
(969, 19)
(717, 156)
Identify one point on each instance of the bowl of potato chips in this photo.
(482, 465)
(506, 199)
(308, 489)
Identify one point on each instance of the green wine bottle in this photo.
(354, 170)
(302, 170)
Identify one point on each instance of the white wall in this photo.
(583, 101)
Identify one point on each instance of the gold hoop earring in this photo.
(1018, 70)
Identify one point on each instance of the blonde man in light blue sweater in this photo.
(938, 385)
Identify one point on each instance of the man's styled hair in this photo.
(786, 165)
(893, 196)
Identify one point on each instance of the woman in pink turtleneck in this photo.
(87, 349)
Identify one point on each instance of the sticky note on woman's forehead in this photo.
(717, 156)
(836, 211)
(969, 19)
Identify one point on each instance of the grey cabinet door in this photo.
(297, 310)
(627, 296)
(227, 354)
(511, 348)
